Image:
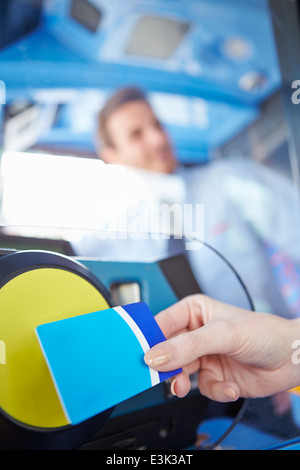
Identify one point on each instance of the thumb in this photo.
(184, 349)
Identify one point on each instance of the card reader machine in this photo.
(39, 286)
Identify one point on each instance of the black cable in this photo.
(246, 403)
(235, 422)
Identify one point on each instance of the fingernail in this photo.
(157, 357)
(172, 388)
(230, 393)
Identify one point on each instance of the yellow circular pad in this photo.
(30, 299)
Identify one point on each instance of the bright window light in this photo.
(51, 191)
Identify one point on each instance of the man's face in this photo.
(138, 139)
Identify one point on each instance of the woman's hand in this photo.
(237, 353)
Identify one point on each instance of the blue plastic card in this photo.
(97, 360)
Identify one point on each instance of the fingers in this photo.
(186, 350)
(214, 338)
(217, 390)
(198, 326)
(181, 384)
(193, 312)
(178, 317)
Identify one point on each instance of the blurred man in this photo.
(131, 134)
(250, 209)
(241, 199)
